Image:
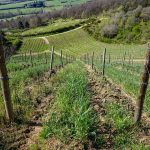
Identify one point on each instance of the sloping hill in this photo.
(78, 42)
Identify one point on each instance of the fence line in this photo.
(21, 62)
(125, 65)
(5, 84)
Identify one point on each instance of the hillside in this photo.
(77, 77)
(122, 27)
(19, 8)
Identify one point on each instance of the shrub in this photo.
(145, 14)
(109, 31)
(131, 21)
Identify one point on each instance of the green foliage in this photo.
(119, 117)
(121, 120)
(17, 9)
(22, 77)
(78, 42)
(121, 26)
(36, 45)
(109, 31)
(70, 117)
(55, 27)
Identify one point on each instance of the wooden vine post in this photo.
(88, 61)
(45, 58)
(93, 60)
(143, 88)
(124, 58)
(30, 52)
(52, 58)
(61, 58)
(25, 57)
(5, 84)
(109, 59)
(104, 61)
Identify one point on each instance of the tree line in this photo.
(79, 11)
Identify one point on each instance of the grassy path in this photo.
(82, 110)
(90, 112)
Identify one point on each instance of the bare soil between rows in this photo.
(20, 136)
(105, 91)
(102, 91)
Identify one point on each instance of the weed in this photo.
(70, 117)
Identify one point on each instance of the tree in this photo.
(20, 24)
(27, 25)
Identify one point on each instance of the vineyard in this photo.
(71, 43)
(70, 91)
(23, 70)
(54, 27)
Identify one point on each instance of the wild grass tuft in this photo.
(120, 119)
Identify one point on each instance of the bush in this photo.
(109, 31)
(145, 14)
(131, 21)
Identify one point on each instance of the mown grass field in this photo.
(77, 42)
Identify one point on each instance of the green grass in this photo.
(36, 45)
(128, 77)
(57, 26)
(50, 6)
(120, 119)
(126, 133)
(14, 5)
(78, 42)
(70, 117)
(130, 81)
(21, 78)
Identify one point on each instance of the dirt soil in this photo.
(14, 137)
(104, 91)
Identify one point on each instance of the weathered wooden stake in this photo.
(109, 59)
(101, 58)
(52, 58)
(132, 60)
(22, 56)
(124, 58)
(66, 59)
(45, 58)
(93, 60)
(25, 57)
(104, 60)
(143, 88)
(129, 59)
(5, 84)
(88, 59)
(31, 57)
(61, 59)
